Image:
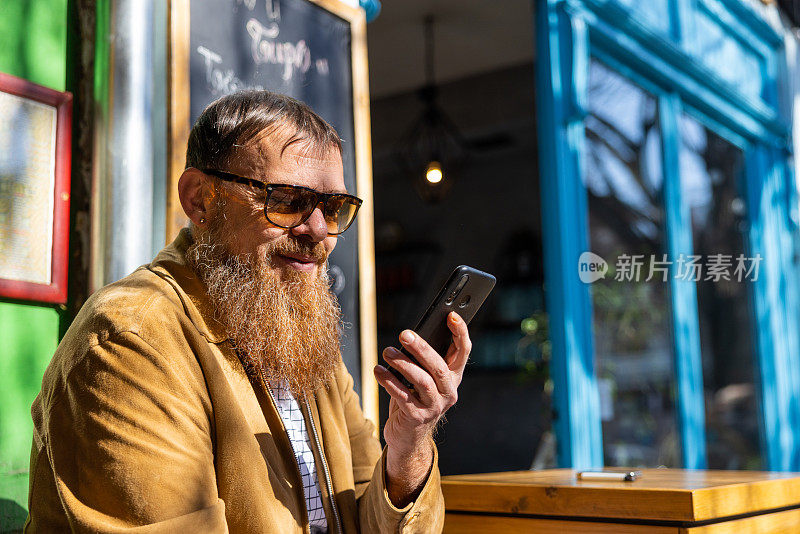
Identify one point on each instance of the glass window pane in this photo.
(655, 14)
(631, 314)
(731, 58)
(711, 169)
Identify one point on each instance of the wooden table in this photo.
(661, 501)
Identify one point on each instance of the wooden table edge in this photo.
(532, 500)
(691, 505)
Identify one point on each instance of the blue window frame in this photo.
(681, 52)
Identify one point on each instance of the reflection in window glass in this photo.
(655, 14)
(710, 170)
(631, 308)
(731, 59)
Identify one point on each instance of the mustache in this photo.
(292, 245)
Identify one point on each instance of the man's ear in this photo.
(194, 195)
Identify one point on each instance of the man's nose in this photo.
(314, 227)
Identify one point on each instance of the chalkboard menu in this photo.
(312, 51)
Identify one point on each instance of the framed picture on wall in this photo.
(35, 149)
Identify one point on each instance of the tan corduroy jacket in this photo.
(147, 423)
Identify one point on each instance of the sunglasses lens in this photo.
(289, 206)
(339, 213)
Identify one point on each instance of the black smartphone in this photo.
(463, 293)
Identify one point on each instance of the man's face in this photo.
(248, 229)
(268, 284)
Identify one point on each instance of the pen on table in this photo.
(609, 476)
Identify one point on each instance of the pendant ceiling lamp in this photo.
(432, 151)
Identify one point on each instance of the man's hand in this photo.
(413, 414)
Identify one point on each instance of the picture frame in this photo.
(35, 166)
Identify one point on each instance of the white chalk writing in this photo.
(249, 4)
(274, 10)
(293, 56)
(221, 81)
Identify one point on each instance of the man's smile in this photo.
(299, 262)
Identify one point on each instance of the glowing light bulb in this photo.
(434, 172)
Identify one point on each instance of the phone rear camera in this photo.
(457, 290)
(461, 283)
(464, 302)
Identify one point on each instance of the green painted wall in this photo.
(33, 45)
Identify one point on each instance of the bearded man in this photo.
(205, 392)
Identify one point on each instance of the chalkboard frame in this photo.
(178, 49)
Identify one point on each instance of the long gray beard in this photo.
(287, 329)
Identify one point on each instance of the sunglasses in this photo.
(288, 206)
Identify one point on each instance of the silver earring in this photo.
(202, 220)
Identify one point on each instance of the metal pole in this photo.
(122, 212)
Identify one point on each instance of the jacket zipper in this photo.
(294, 458)
(319, 448)
(324, 467)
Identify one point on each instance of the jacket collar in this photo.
(171, 265)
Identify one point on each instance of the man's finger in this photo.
(422, 381)
(430, 360)
(461, 346)
(395, 388)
